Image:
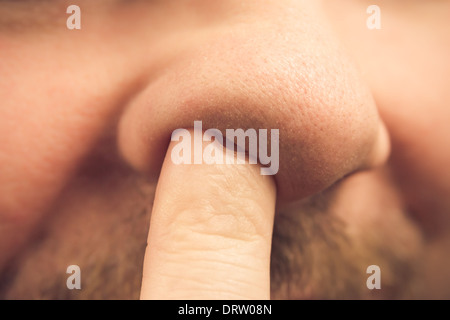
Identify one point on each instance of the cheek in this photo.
(55, 104)
(57, 97)
(43, 128)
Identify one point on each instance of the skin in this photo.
(86, 118)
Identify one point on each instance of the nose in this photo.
(307, 89)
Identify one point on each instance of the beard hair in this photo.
(314, 256)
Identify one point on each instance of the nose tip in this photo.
(327, 128)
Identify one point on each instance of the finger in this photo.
(210, 232)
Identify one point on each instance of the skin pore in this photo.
(80, 159)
